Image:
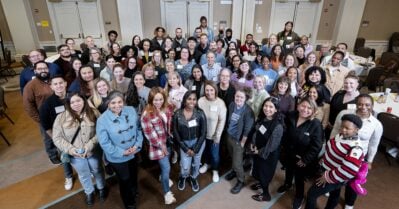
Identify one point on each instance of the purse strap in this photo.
(75, 135)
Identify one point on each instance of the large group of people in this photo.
(168, 98)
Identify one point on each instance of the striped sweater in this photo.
(342, 159)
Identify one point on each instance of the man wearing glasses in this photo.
(28, 73)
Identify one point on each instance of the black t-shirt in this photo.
(49, 111)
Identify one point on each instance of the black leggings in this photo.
(264, 169)
(126, 173)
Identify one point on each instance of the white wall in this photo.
(349, 18)
(130, 19)
(16, 13)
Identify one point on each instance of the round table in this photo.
(382, 107)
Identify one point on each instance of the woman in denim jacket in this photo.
(189, 130)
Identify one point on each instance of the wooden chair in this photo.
(3, 107)
(390, 136)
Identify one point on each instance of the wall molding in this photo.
(380, 46)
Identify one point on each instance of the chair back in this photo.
(358, 43)
(390, 123)
(364, 52)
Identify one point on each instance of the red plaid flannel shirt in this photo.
(154, 130)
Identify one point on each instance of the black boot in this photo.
(90, 199)
(230, 175)
(103, 194)
(237, 188)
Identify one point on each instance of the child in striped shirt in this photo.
(341, 163)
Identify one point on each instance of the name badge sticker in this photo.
(193, 88)
(192, 123)
(262, 129)
(214, 108)
(59, 109)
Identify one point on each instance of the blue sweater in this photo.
(118, 133)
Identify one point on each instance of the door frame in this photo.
(55, 26)
(189, 33)
(313, 39)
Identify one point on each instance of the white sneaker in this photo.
(348, 207)
(169, 198)
(170, 183)
(68, 183)
(174, 158)
(203, 168)
(215, 177)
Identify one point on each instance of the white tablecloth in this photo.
(382, 107)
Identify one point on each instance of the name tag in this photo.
(192, 123)
(150, 54)
(33, 77)
(178, 49)
(235, 117)
(262, 129)
(193, 88)
(60, 109)
(287, 46)
(214, 108)
(179, 67)
(289, 38)
(96, 65)
(156, 73)
(351, 106)
(306, 134)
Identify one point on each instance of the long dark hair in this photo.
(86, 109)
(203, 78)
(132, 96)
(273, 55)
(249, 75)
(84, 89)
(278, 116)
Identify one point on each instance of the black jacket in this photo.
(305, 141)
(182, 130)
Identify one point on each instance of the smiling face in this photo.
(132, 63)
(269, 109)
(158, 101)
(312, 93)
(364, 106)
(173, 81)
(119, 73)
(348, 129)
(239, 98)
(351, 84)
(116, 105)
(282, 87)
(87, 74)
(315, 77)
(273, 39)
(197, 74)
(102, 88)
(139, 80)
(244, 67)
(110, 63)
(277, 50)
(76, 65)
(289, 61)
(305, 110)
(210, 92)
(258, 83)
(224, 77)
(191, 101)
(311, 59)
(292, 74)
(58, 85)
(77, 104)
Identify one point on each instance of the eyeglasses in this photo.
(132, 62)
(41, 69)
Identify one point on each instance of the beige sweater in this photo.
(215, 112)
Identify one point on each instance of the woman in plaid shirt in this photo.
(156, 125)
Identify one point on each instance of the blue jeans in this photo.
(52, 152)
(316, 191)
(194, 162)
(87, 166)
(165, 171)
(211, 154)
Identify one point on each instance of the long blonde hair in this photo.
(96, 98)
